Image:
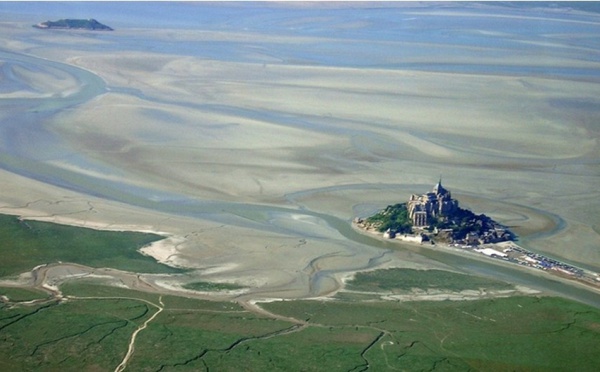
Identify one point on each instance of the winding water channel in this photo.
(26, 146)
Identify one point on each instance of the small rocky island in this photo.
(435, 216)
(74, 24)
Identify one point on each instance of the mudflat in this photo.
(253, 150)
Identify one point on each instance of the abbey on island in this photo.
(435, 215)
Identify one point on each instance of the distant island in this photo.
(436, 215)
(74, 24)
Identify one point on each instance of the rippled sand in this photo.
(334, 139)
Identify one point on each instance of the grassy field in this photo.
(76, 335)
(399, 280)
(310, 349)
(516, 334)
(210, 287)
(22, 294)
(26, 244)
(91, 331)
(189, 337)
(508, 334)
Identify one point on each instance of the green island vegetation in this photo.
(396, 280)
(210, 287)
(394, 217)
(26, 244)
(79, 24)
(91, 326)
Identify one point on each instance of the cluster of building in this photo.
(489, 234)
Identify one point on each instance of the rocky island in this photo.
(74, 24)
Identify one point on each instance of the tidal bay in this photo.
(259, 138)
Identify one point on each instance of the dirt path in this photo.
(254, 308)
(131, 348)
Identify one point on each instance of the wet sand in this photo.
(244, 160)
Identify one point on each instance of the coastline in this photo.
(165, 251)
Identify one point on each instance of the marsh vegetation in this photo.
(26, 244)
(91, 325)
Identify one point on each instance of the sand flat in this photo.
(244, 146)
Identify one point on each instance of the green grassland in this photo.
(402, 280)
(83, 288)
(91, 333)
(75, 335)
(508, 334)
(310, 349)
(187, 338)
(22, 294)
(26, 244)
(211, 287)
(88, 288)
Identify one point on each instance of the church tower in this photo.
(439, 190)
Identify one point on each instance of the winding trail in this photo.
(131, 348)
(252, 307)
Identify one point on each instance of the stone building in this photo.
(437, 203)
